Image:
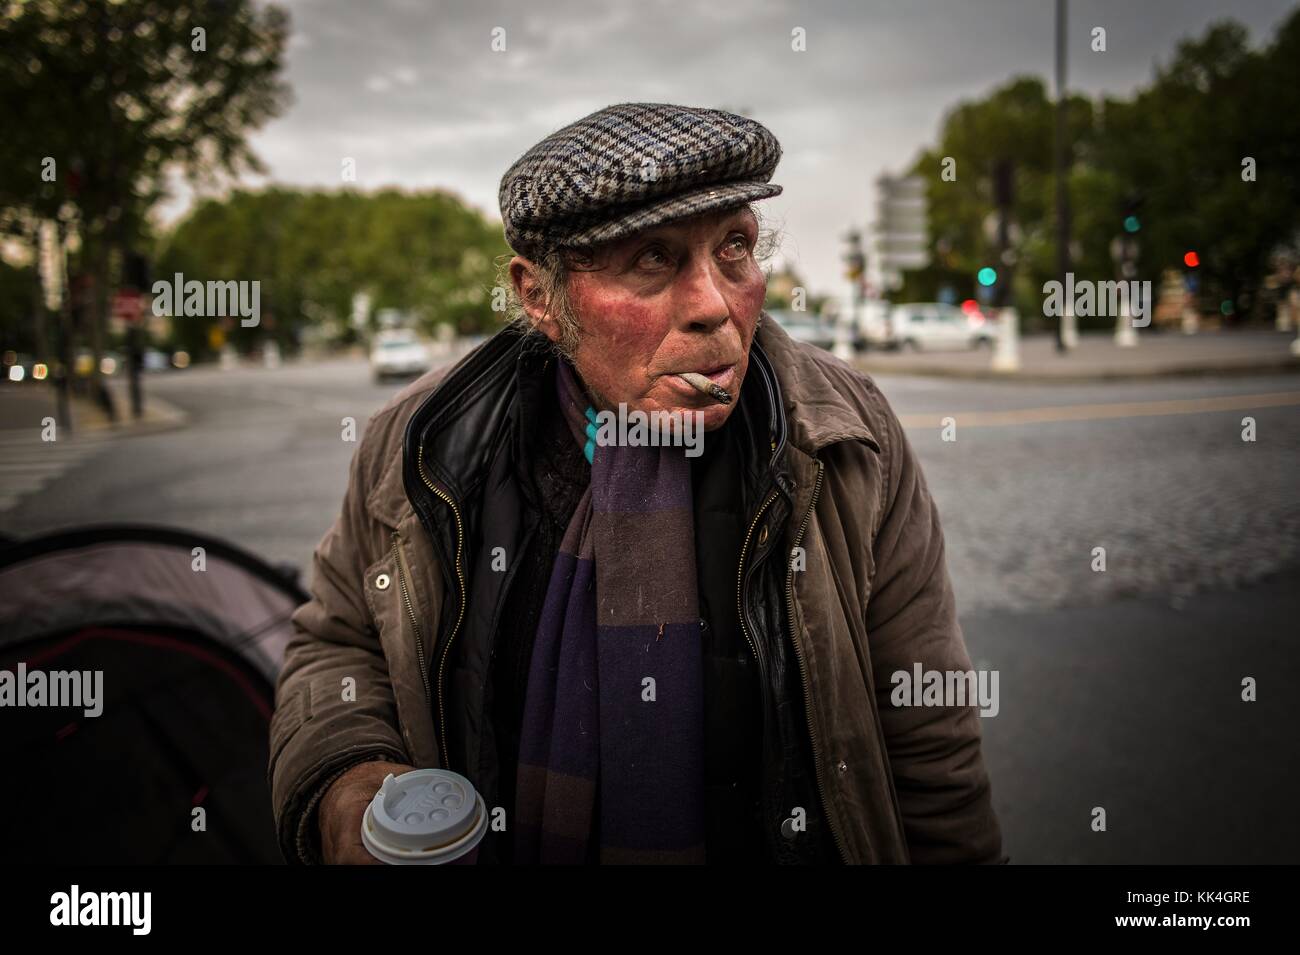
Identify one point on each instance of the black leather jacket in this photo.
(464, 475)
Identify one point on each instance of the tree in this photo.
(1182, 142)
(1179, 145)
(1014, 122)
(424, 253)
(118, 96)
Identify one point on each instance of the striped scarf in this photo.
(612, 747)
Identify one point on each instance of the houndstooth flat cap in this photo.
(627, 167)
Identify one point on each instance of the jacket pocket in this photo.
(394, 598)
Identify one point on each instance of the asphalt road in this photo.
(1119, 688)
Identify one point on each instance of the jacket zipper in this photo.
(410, 609)
(803, 671)
(740, 576)
(460, 614)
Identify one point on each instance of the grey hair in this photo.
(554, 266)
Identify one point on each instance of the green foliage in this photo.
(425, 253)
(1016, 121)
(1177, 144)
(1181, 144)
(120, 95)
(116, 93)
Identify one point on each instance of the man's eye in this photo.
(736, 247)
(652, 258)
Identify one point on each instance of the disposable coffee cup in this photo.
(425, 817)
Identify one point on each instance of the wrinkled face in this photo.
(680, 297)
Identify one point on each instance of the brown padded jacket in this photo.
(868, 595)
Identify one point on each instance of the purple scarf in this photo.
(612, 746)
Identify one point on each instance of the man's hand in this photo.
(342, 807)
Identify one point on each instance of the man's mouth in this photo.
(716, 373)
(716, 382)
(712, 372)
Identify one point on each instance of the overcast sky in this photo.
(412, 90)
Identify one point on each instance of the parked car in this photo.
(805, 327)
(872, 327)
(931, 326)
(398, 352)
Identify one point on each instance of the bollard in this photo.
(1125, 334)
(1006, 353)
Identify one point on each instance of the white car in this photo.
(398, 353)
(933, 326)
(805, 327)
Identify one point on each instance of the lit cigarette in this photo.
(702, 384)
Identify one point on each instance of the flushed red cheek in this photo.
(619, 340)
(751, 297)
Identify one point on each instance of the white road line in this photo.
(28, 464)
(1100, 412)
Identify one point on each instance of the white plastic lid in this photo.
(424, 809)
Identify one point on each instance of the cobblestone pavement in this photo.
(1178, 500)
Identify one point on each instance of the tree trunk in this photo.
(100, 309)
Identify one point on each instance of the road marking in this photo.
(1097, 412)
(28, 464)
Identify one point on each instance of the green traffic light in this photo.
(1131, 224)
(987, 276)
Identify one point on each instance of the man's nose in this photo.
(702, 306)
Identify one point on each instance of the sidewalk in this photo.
(158, 415)
(24, 408)
(1261, 351)
(31, 460)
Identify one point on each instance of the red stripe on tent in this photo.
(165, 643)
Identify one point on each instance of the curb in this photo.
(159, 416)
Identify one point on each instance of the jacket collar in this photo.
(817, 413)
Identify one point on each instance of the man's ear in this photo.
(528, 288)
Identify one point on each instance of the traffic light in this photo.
(1191, 260)
(854, 258)
(1131, 206)
(987, 276)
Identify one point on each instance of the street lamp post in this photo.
(1065, 331)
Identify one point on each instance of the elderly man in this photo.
(636, 654)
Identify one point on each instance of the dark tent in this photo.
(186, 651)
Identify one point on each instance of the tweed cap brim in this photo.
(674, 208)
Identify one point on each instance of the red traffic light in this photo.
(1191, 260)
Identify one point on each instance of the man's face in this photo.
(684, 296)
